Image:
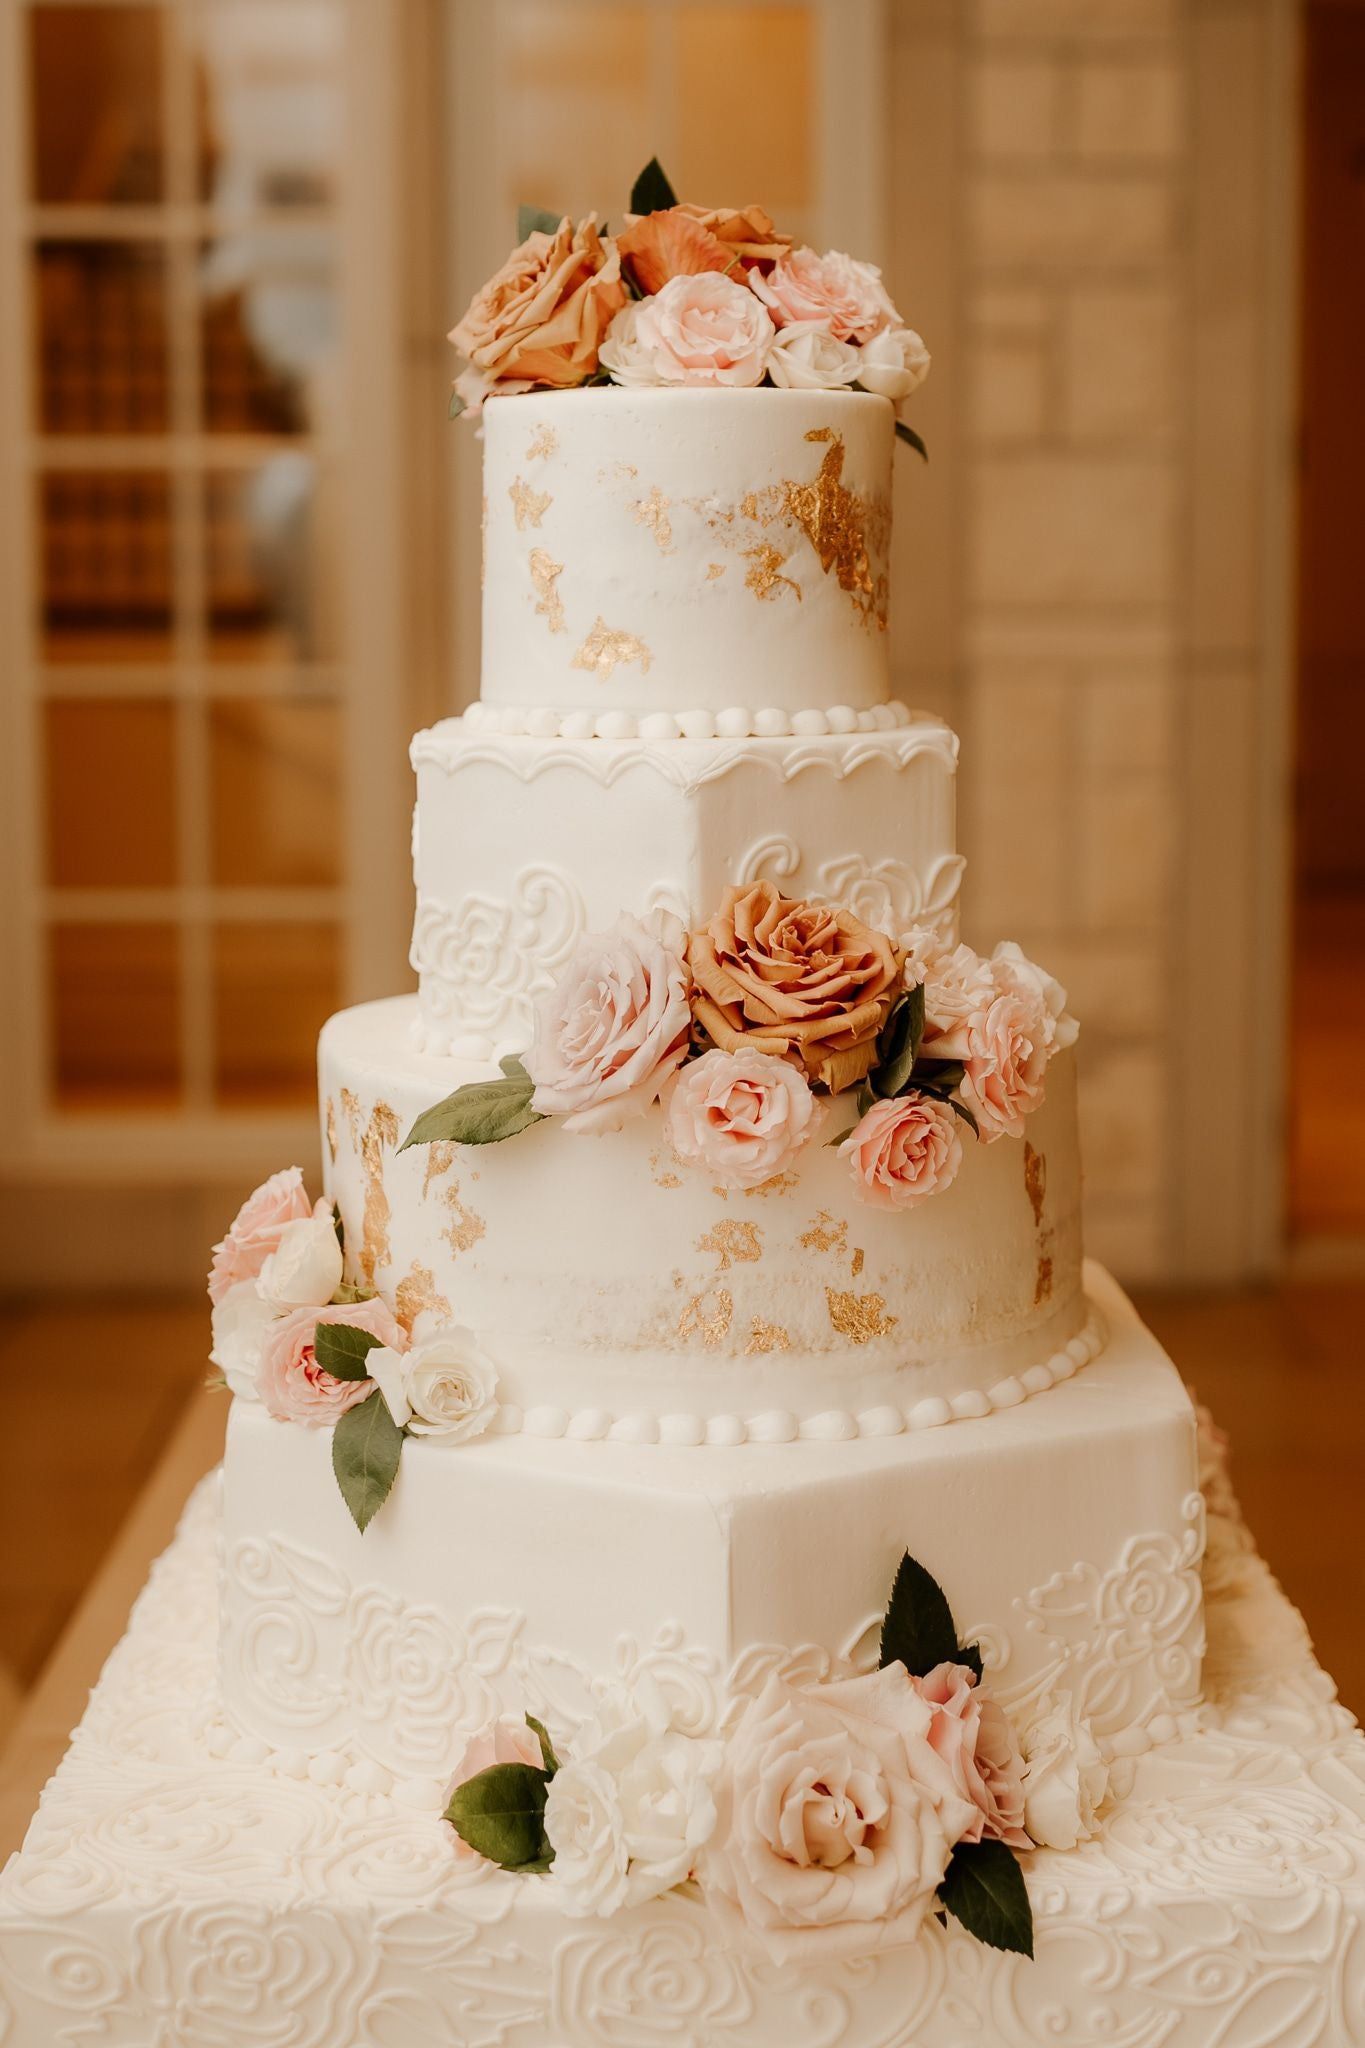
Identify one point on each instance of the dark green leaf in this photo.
(547, 1748)
(480, 1113)
(338, 1226)
(898, 1045)
(366, 1446)
(866, 1097)
(967, 1115)
(938, 1077)
(456, 406)
(341, 1350)
(969, 1655)
(534, 220)
(909, 435)
(840, 1136)
(918, 1631)
(984, 1889)
(651, 192)
(501, 1814)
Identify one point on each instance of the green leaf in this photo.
(840, 1136)
(547, 1748)
(968, 1116)
(651, 192)
(501, 1813)
(341, 1350)
(970, 1655)
(898, 1045)
(534, 220)
(514, 1069)
(456, 406)
(480, 1113)
(215, 1382)
(984, 1888)
(338, 1226)
(366, 1447)
(918, 1631)
(938, 1077)
(908, 434)
(350, 1292)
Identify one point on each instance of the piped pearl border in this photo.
(781, 1426)
(543, 722)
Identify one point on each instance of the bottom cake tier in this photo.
(179, 1890)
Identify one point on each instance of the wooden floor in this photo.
(93, 1393)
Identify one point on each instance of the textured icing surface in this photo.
(169, 1893)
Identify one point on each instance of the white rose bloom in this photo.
(893, 363)
(444, 1386)
(807, 357)
(240, 1321)
(389, 1371)
(305, 1269)
(586, 1830)
(1065, 1776)
(625, 353)
(1011, 965)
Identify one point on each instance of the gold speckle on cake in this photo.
(617, 472)
(1042, 1289)
(662, 1174)
(607, 645)
(856, 1263)
(780, 1184)
(766, 1337)
(465, 1228)
(652, 514)
(708, 1317)
(416, 1292)
(825, 1235)
(1035, 1180)
(859, 1317)
(528, 507)
(380, 1131)
(543, 442)
(841, 526)
(331, 1126)
(440, 1159)
(545, 575)
(713, 570)
(764, 563)
(734, 1243)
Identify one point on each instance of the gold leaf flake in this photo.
(856, 1264)
(712, 1324)
(331, 1130)
(780, 1184)
(825, 1235)
(663, 1177)
(528, 507)
(714, 569)
(415, 1293)
(607, 645)
(652, 514)
(440, 1159)
(763, 578)
(465, 1228)
(841, 526)
(545, 575)
(1035, 1180)
(1043, 1285)
(766, 1337)
(380, 1132)
(545, 441)
(733, 1243)
(617, 472)
(859, 1317)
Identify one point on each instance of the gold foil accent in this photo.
(331, 1122)
(618, 472)
(440, 1159)
(1043, 1286)
(528, 507)
(763, 579)
(545, 575)
(607, 645)
(652, 513)
(856, 1264)
(1035, 1180)
(733, 1243)
(841, 526)
(380, 1131)
(663, 1177)
(465, 1228)
(766, 1337)
(712, 1324)
(780, 1184)
(713, 570)
(415, 1293)
(825, 1235)
(544, 442)
(859, 1317)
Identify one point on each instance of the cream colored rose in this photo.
(893, 363)
(614, 1027)
(305, 1269)
(1065, 1777)
(1011, 968)
(848, 296)
(541, 319)
(628, 358)
(903, 1151)
(240, 1320)
(808, 357)
(444, 1385)
(587, 1831)
(742, 1115)
(704, 330)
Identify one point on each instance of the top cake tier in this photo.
(667, 551)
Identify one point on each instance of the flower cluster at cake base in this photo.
(828, 1822)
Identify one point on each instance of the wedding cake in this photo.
(699, 1557)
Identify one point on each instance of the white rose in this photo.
(1065, 1776)
(304, 1270)
(443, 1386)
(1011, 967)
(807, 357)
(240, 1320)
(587, 1831)
(625, 353)
(893, 363)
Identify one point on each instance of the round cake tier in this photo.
(674, 551)
(619, 1293)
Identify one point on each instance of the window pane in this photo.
(115, 1009)
(101, 338)
(95, 95)
(111, 794)
(106, 550)
(276, 776)
(269, 331)
(736, 144)
(272, 107)
(576, 96)
(270, 571)
(274, 987)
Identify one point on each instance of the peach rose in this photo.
(972, 1735)
(542, 318)
(614, 1026)
(836, 1817)
(798, 980)
(747, 231)
(903, 1151)
(672, 243)
(742, 1115)
(292, 1385)
(846, 296)
(696, 330)
(507, 1740)
(256, 1229)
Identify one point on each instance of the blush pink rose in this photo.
(292, 1385)
(614, 1027)
(257, 1228)
(835, 1817)
(844, 295)
(701, 329)
(972, 1736)
(1004, 1054)
(903, 1151)
(742, 1115)
(507, 1740)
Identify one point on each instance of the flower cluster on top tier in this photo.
(739, 1027)
(682, 295)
